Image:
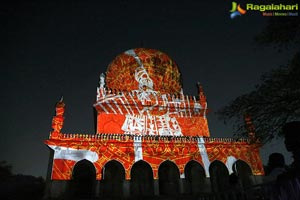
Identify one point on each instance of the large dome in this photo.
(148, 67)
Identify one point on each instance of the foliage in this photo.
(19, 186)
(5, 170)
(273, 103)
(276, 100)
(281, 32)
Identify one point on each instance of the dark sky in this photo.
(53, 49)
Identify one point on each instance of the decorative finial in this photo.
(181, 91)
(200, 89)
(102, 80)
(60, 103)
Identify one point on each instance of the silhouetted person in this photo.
(276, 166)
(292, 143)
(288, 183)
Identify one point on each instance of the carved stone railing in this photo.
(149, 138)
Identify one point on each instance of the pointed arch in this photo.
(168, 174)
(141, 183)
(244, 172)
(83, 181)
(195, 177)
(113, 174)
(219, 176)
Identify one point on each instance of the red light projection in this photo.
(142, 114)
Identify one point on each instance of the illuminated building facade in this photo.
(151, 139)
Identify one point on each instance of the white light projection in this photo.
(145, 123)
(229, 163)
(204, 155)
(66, 153)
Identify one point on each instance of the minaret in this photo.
(250, 128)
(58, 119)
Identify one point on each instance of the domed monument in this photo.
(144, 67)
(151, 139)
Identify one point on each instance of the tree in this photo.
(276, 100)
(19, 186)
(280, 32)
(5, 170)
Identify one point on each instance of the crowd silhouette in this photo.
(282, 182)
(19, 186)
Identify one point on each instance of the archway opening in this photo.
(244, 173)
(219, 176)
(113, 177)
(195, 177)
(168, 175)
(141, 183)
(83, 179)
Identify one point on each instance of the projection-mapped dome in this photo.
(144, 68)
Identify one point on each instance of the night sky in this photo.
(53, 49)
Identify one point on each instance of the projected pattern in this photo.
(142, 114)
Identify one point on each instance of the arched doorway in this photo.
(219, 176)
(141, 183)
(83, 181)
(168, 175)
(244, 173)
(195, 177)
(113, 177)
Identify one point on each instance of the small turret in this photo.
(250, 128)
(58, 119)
(101, 91)
(202, 97)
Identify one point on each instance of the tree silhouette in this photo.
(276, 100)
(19, 186)
(5, 170)
(281, 32)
